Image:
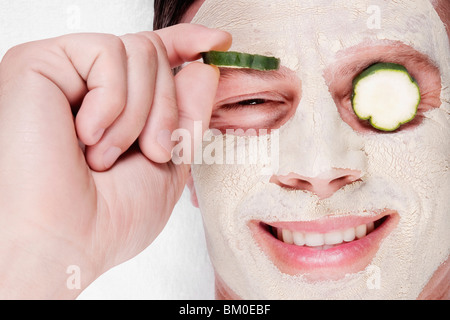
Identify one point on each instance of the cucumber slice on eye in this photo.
(386, 95)
(232, 59)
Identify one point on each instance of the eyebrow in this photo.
(230, 73)
(355, 59)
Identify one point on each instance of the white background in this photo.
(176, 265)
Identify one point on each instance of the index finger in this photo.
(184, 42)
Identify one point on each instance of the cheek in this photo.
(417, 159)
(220, 187)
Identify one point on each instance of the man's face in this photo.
(348, 211)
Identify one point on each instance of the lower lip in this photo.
(330, 264)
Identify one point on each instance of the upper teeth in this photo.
(314, 239)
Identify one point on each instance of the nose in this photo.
(324, 185)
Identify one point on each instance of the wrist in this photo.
(36, 273)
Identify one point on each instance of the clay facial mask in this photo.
(405, 171)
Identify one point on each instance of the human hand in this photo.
(62, 205)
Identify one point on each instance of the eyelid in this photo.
(266, 95)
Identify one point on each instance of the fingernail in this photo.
(164, 139)
(110, 156)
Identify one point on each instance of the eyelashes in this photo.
(247, 106)
(251, 102)
(256, 99)
(266, 110)
(245, 103)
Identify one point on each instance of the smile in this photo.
(324, 241)
(325, 249)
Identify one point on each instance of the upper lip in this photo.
(334, 261)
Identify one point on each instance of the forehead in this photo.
(298, 29)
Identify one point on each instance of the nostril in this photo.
(300, 184)
(292, 183)
(342, 180)
(323, 186)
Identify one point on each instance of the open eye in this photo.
(253, 99)
(251, 102)
(265, 110)
(245, 103)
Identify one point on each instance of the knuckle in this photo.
(22, 52)
(155, 39)
(112, 44)
(18, 50)
(145, 43)
(30, 56)
(115, 42)
(139, 45)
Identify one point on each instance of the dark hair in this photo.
(169, 12)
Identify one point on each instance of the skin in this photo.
(41, 85)
(60, 203)
(336, 76)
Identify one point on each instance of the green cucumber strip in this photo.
(232, 59)
(386, 95)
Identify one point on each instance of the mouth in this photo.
(325, 249)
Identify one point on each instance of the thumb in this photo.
(185, 41)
